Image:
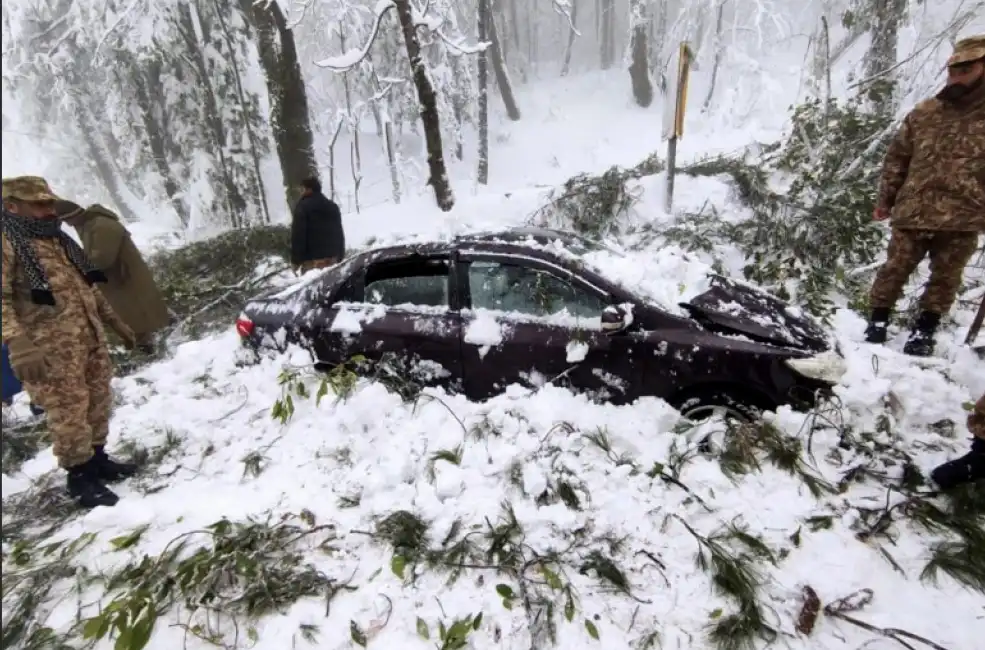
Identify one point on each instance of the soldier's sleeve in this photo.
(106, 312)
(896, 165)
(10, 325)
(102, 240)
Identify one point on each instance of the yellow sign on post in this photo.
(683, 74)
(675, 98)
(673, 122)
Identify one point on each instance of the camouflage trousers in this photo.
(949, 254)
(976, 421)
(317, 264)
(77, 398)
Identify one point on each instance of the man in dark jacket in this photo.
(317, 237)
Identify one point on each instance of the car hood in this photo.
(737, 308)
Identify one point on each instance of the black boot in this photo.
(86, 489)
(968, 468)
(108, 469)
(921, 341)
(878, 329)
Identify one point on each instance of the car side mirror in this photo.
(616, 318)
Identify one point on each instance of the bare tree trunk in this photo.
(482, 174)
(659, 43)
(719, 49)
(331, 158)
(260, 193)
(499, 69)
(235, 203)
(639, 69)
(607, 43)
(429, 109)
(155, 130)
(289, 112)
(566, 66)
(103, 168)
(881, 57)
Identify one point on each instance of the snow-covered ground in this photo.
(588, 487)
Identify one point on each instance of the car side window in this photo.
(408, 282)
(529, 291)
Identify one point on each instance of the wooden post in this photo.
(673, 128)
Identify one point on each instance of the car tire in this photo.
(701, 406)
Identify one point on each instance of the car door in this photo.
(530, 322)
(401, 318)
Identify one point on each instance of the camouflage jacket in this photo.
(934, 174)
(976, 420)
(79, 309)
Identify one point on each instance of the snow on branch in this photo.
(563, 8)
(347, 60)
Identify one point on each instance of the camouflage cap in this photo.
(968, 49)
(30, 189)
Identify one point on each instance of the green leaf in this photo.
(442, 631)
(357, 635)
(569, 609)
(508, 603)
(126, 541)
(141, 631)
(715, 613)
(477, 622)
(322, 391)
(96, 627)
(592, 630)
(553, 580)
(504, 590)
(397, 565)
(422, 629)
(252, 634)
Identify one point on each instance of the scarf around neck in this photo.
(20, 231)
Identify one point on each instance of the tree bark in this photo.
(881, 57)
(566, 66)
(639, 68)
(499, 69)
(482, 73)
(289, 111)
(259, 192)
(429, 109)
(719, 49)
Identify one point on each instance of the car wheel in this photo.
(717, 404)
(700, 407)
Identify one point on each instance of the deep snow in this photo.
(376, 447)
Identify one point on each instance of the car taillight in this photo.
(244, 326)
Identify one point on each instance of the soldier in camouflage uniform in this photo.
(933, 189)
(971, 466)
(52, 322)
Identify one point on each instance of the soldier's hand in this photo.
(127, 336)
(880, 214)
(27, 361)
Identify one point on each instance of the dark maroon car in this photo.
(480, 312)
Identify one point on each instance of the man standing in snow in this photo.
(317, 237)
(130, 287)
(933, 190)
(52, 319)
(971, 466)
